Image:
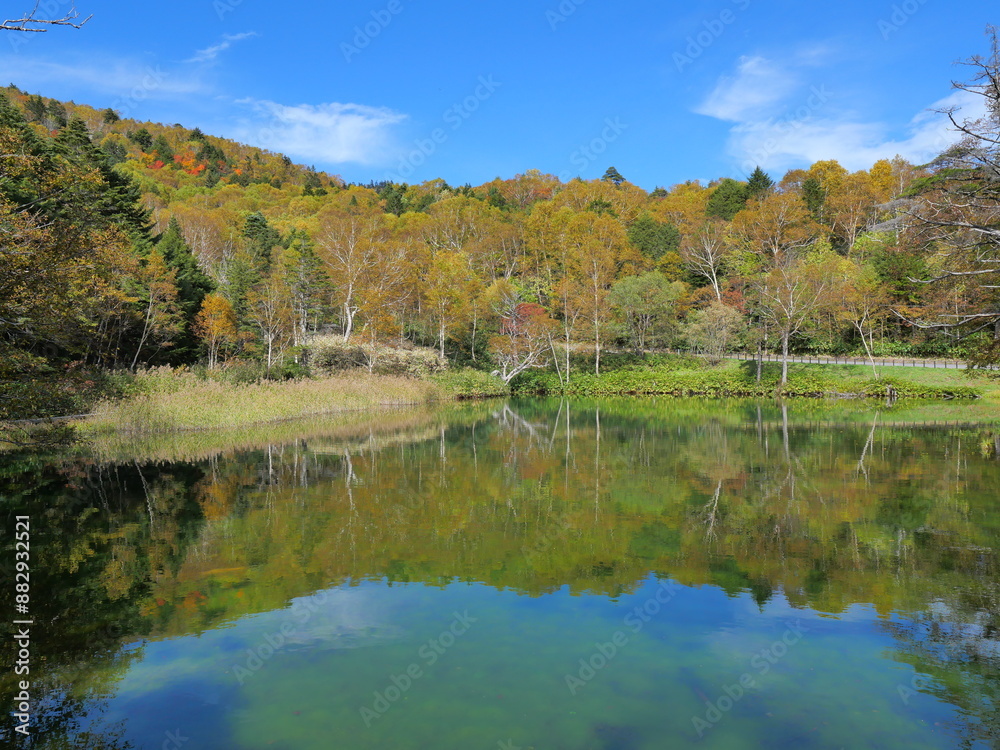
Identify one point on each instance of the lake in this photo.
(584, 575)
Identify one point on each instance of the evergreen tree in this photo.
(654, 238)
(35, 107)
(239, 275)
(601, 207)
(814, 196)
(495, 198)
(115, 199)
(115, 151)
(110, 116)
(313, 184)
(192, 287)
(212, 176)
(162, 150)
(141, 138)
(210, 154)
(308, 284)
(613, 176)
(759, 184)
(727, 200)
(55, 115)
(192, 283)
(262, 239)
(395, 199)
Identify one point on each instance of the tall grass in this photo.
(354, 430)
(164, 400)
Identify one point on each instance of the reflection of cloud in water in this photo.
(337, 619)
(335, 635)
(954, 634)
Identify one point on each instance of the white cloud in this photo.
(210, 53)
(120, 77)
(332, 133)
(780, 124)
(758, 85)
(327, 133)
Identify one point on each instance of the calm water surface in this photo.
(616, 575)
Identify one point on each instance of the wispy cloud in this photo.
(326, 133)
(757, 86)
(105, 76)
(781, 122)
(210, 53)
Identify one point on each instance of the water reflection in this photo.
(532, 498)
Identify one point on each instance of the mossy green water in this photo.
(599, 574)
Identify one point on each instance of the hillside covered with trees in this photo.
(129, 245)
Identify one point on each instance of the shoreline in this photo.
(165, 401)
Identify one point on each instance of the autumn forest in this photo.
(131, 245)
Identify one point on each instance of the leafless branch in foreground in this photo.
(32, 24)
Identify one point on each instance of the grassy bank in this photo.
(170, 400)
(355, 431)
(686, 376)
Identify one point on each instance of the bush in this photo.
(330, 358)
(468, 383)
(240, 372)
(287, 370)
(723, 383)
(329, 354)
(418, 362)
(614, 361)
(888, 349)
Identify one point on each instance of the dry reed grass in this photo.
(167, 401)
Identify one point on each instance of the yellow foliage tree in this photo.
(216, 326)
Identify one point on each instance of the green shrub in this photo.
(241, 372)
(888, 349)
(468, 383)
(721, 382)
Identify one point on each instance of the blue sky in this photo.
(468, 91)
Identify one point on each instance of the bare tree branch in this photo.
(32, 24)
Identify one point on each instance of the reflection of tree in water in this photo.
(593, 497)
(822, 515)
(954, 649)
(99, 536)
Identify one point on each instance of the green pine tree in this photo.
(395, 198)
(814, 196)
(613, 176)
(654, 238)
(162, 150)
(759, 184)
(192, 286)
(263, 238)
(55, 115)
(727, 200)
(192, 283)
(116, 199)
(35, 107)
(496, 198)
(141, 138)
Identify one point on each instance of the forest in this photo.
(131, 245)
